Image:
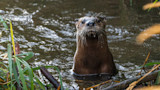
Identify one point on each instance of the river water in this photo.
(46, 27)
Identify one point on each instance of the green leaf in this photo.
(4, 23)
(3, 64)
(151, 64)
(21, 73)
(154, 3)
(39, 82)
(25, 70)
(3, 72)
(2, 79)
(15, 74)
(130, 2)
(56, 68)
(27, 55)
(158, 79)
(30, 72)
(60, 78)
(9, 50)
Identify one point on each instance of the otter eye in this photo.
(83, 21)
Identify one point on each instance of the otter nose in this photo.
(90, 23)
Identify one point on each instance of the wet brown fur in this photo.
(92, 54)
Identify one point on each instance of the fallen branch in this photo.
(51, 79)
(124, 84)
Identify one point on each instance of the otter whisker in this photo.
(81, 38)
(101, 37)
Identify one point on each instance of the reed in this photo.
(17, 73)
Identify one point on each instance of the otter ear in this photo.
(104, 19)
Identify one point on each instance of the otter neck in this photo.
(93, 43)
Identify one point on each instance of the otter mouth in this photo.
(92, 35)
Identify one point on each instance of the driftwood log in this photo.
(124, 84)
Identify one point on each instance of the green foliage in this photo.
(158, 79)
(4, 23)
(9, 49)
(56, 68)
(154, 3)
(131, 2)
(157, 82)
(18, 71)
(27, 55)
(151, 64)
(21, 74)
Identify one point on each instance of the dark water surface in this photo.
(46, 27)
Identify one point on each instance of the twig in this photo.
(144, 63)
(4, 83)
(98, 84)
(132, 85)
(5, 56)
(124, 84)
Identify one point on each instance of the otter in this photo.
(92, 56)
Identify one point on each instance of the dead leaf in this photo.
(155, 29)
(151, 5)
(149, 88)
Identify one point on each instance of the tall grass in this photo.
(18, 73)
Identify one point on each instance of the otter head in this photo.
(90, 28)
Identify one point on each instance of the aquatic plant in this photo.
(17, 73)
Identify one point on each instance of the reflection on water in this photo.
(46, 27)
